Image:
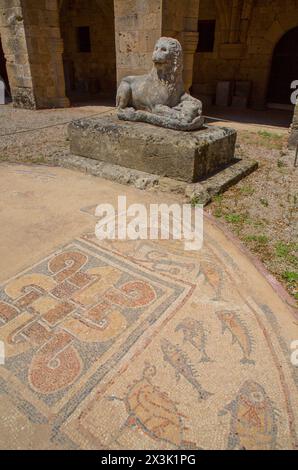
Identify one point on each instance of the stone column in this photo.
(33, 49)
(190, 43)
(139, 23)
(137, 28)
(45, 49)
(15, 49)
(293, 139)
(180, 20)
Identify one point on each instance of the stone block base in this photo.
(185, 156)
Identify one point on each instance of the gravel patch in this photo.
(262, 209)
(48, 131)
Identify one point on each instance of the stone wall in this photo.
(246, 34)
(45, 48)
(180, 20)
(139, 23)
(33, 49)
(40, 44)
(138, 26)
(94, 71)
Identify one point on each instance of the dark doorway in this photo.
(206, 30)
(284, 69)
(89, 57)
(3, 71)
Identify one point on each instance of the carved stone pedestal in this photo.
(185, 156)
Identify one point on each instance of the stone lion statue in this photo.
(159, 97)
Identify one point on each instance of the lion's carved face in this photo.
(168, 52)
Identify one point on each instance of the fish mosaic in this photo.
(162, 262)
(233, 323)
(195, 334)
(213, 276)
(253, 419)
(177, 358)
(154, 412)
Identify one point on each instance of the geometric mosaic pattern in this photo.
(69, 319)
(131, 345)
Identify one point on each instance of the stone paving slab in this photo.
(133, 345)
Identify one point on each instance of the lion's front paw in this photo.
(129, 112)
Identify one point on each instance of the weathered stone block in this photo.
(186, 156)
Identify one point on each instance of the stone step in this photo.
(201, 192)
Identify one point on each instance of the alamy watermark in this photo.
(158, 222)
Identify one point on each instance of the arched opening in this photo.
(284, 70)
(3, 71)
(89, 56)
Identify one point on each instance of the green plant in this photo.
(196, 200)
(264, 202)
(218, 212)
(260, 239)
(265, 134)
(270, 139)
(282, 249)
(290, 276)
(218, 198)
(286, 251)
(234, 218)
(270, 135)
(281, 164)
(247, 190)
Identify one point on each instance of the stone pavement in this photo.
(131, 345)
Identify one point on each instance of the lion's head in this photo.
(168, 54)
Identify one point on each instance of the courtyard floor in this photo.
(131, 345)
(261, 210)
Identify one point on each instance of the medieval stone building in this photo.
(53, 52)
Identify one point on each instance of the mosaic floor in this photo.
(142, 345)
